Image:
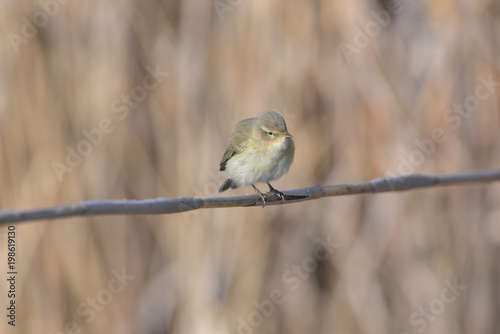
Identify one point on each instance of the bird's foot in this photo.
(262, 196)
(276, 192)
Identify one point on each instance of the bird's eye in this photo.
(270, 133)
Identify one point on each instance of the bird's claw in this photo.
(272, 190)
(279, 194)
(276, 192)
(262, 196)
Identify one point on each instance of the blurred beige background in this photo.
(136, 99)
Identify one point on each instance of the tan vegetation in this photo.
(137, 99)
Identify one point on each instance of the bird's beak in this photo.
(286, 134)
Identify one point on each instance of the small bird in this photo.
(260, 150)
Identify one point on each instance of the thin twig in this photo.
(183, 204)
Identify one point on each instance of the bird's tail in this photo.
(226, 185)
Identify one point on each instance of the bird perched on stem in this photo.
(260, 150)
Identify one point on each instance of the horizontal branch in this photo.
(182, 204)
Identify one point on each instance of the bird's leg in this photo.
(261, 195)
(276, 192)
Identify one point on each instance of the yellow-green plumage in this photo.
(260, 150)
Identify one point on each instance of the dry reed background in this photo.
(353, 118)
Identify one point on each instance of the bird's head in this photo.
(271, 128)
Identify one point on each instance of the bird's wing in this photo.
(237, 142)
(227, 155)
